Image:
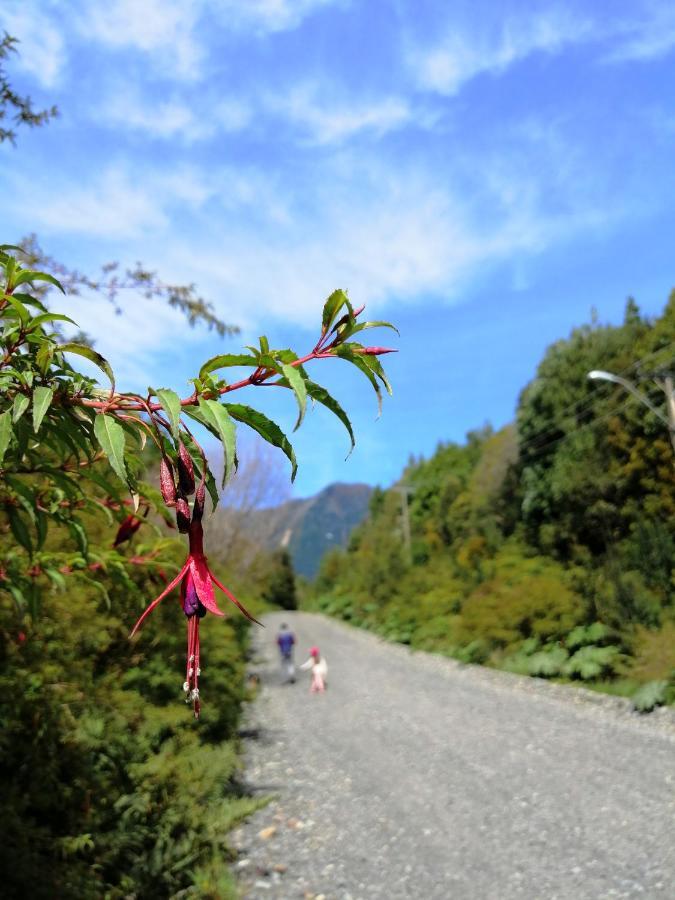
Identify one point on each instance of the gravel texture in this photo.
(414, 776)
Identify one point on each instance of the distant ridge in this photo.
(309, 527)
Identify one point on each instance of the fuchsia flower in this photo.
(197, 597)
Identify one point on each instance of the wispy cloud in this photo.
(320, 117)
(648, 36)
(120, 203)
(269, 16)
(460, 55)
(161, 29)
(175, 117)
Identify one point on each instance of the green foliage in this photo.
(650, 695)
(108, 787)
(280, 588)
(13, 106)
(546, 548)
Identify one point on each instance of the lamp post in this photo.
(666, 385)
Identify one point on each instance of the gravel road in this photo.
(416, 777)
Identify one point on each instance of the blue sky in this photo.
(482, 173)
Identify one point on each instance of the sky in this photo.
(484, 174)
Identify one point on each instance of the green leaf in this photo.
(321, 395)
(377, 324)
(225, 361)
(5, 433)
(91, 355)
(195, 413)
(20, 530)
(79, 535)
(332, 307)
(20, 405)
(55, 577)
(19, 308)
(50, 317)
(266, 428)
(110, 436)
(42, 398)
(297, 382)
(41, 527)
(226, 429)
(44, 356)
(171, 403)
(27, 275)
(346, 352)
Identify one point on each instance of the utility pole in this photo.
(405, 492)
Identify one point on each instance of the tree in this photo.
(280, 588)
(14, 107)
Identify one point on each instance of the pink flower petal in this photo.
(200, 575)
(159, 599)
(231, 597)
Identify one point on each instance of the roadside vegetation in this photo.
(546, 548)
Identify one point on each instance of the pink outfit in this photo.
(319, 672)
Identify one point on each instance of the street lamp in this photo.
(666, 386)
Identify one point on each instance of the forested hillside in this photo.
(547, 547)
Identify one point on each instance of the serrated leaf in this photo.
(332, 307)
(266, 428)
(226, 360)
(5, 433)
(171, 403)
(376, 324)
(110, 436)
(195, 413)
(345, 352)
(226, 431)
(20, 405)
(321, 395)
(42, 398)
(297, 383)
(91, 355)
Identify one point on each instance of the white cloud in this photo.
(267, 16)
(163, 29)
(394, 234)
(174, 117)
(117, 204)
(650, 36)
(460, 56)
(322, 120)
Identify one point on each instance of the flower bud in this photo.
(182, 515)
(186, 470)
(127, 528)
(198, 506)
(166, 482)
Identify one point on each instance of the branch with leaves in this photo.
(12, 104)
(56, 426)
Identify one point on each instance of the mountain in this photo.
(309, 527)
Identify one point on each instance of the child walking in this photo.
(319, 667)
